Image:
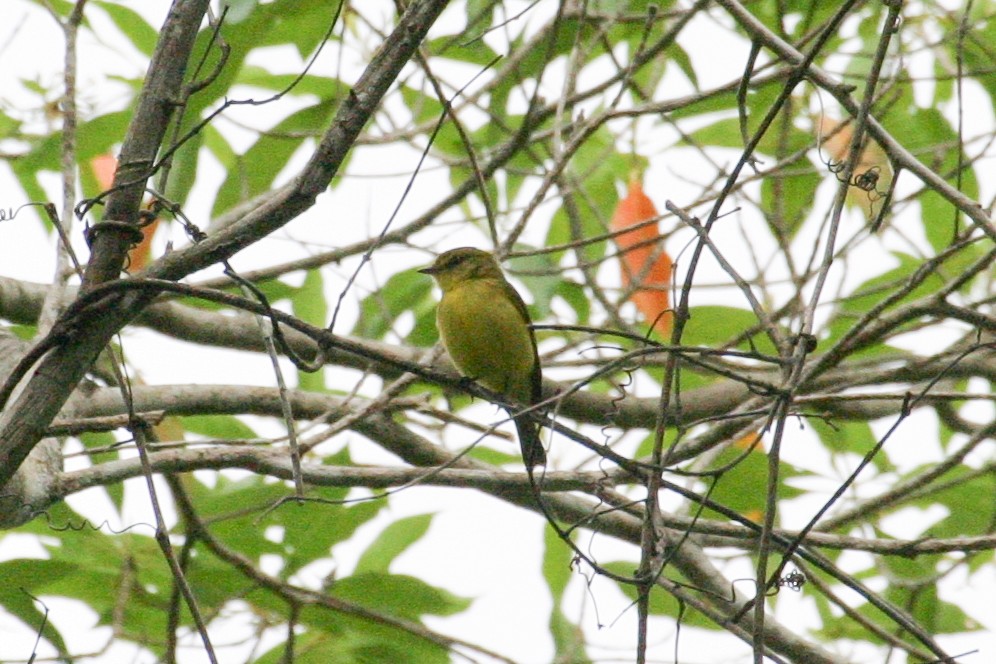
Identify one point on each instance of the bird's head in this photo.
(459, 265)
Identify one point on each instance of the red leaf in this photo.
(644, 261)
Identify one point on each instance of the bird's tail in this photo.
(533, 453)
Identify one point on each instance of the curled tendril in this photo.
(794, 580)
(7, 214)
(86, 524)
(868, 180)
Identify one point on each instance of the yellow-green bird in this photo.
(484, 325)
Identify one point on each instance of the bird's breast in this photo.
(487, 337)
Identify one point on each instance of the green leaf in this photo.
(131, 24)
(724, 133)
(541, 275)
(233, 508)
(914, 587)
(568, 638)
(92, 440)
(9, 127)
(218, 146)
(575, 296)
(557, 557)
(18, 578)
(787, 195)
(719, 101)
(597, 166)
(743, 482)
(458, 47)
(322, 87)
(239, 10)
(850, 437)
(220, 427)
(662, 603)
(380, 310)
(243, 511)
(303, 23)
(217, 583)
(358, 644)
(98, 136)
(871, 293)
(339, 637)
(495, 457)
(975, 52)
(308, 303)
(310, 531)
(683, 60)
(398, 595)
(424, 108)
(23, 332)
(967, 514)
(186, 162)
(60, 7)
(255, 172)
(273, 290)
(928, 133)
(106, 567)
(392, 542)
(646, 447)
(715, 326)
(480, 15)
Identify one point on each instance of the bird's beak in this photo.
(430, 270)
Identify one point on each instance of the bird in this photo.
(484, 326)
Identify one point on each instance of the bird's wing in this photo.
(536, 378)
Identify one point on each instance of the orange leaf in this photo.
(835, 138)
(644, 261)
(754, 515)
(138, 256)
(104, 167)
(748, 441)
